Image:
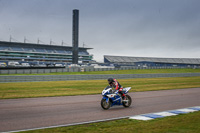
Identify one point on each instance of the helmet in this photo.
(110, 80)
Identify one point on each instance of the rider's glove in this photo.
(116, 92)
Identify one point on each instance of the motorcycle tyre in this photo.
(130, 101)
(102, 104)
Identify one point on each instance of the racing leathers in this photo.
(117, 87)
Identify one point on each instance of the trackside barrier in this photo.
(36, 78)
(75, 69)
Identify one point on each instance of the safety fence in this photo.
(74, 69)
(37, 78)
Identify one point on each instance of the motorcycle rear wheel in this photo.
(128, 103)
(105, 105)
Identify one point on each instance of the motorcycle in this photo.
(111, 98)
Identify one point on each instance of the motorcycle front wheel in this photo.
(105, 105)
(127, 101)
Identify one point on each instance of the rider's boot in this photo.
(123, 97)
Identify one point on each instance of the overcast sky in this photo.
(141, 28)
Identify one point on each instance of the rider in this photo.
(114, 83)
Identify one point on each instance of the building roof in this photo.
(127, 59)
(33, 45)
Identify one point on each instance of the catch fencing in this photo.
(37, 78)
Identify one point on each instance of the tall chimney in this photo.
(75, 36)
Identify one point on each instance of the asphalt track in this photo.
(29, 113)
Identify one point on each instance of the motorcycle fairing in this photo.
(107, 99)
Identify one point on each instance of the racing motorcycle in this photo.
(111, 98)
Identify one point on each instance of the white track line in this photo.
(138, 117)
(66, 125)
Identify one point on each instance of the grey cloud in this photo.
(130, 27)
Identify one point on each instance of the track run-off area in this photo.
(30, 113)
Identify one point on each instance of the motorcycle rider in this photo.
(115, 84)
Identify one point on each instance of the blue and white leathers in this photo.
(110, 99)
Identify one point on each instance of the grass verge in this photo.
(132, 71)
(184, 123)
(86, 87)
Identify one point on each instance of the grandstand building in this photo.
(29, 52)
(151, 62)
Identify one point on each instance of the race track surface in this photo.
(28, 113)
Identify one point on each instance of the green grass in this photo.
(132, 71)
(85, 87)
(184, 123)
